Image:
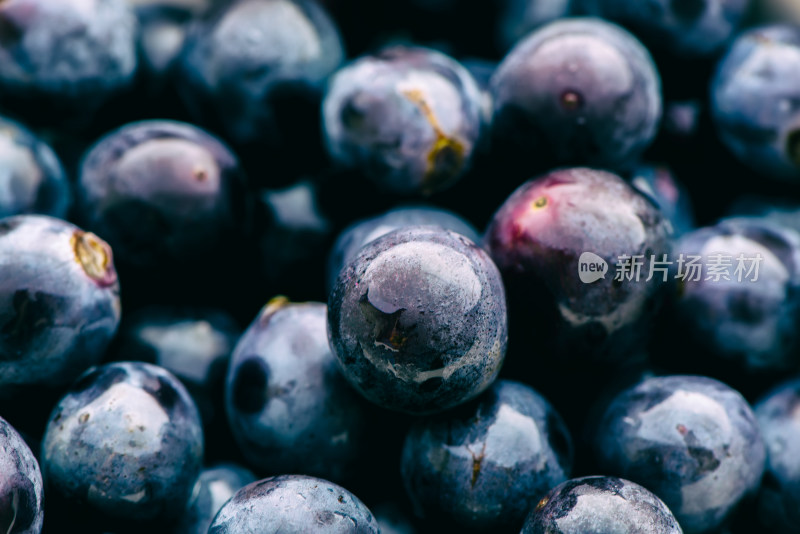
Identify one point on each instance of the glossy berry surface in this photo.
(125, 442)
(162, 31)
(537, 238)
(779, 498)
(288, 405)
(214, 487)
(577, 91)
(242, 61)
(359, 234)
(59, 302)
(754, 99)
(161, 189)
(32, 179)
(748, 316)
(21, 488)
(693, 441)
(195, 345)
(600, 505)
(294, 503)
(418, 320)
(407, 117)
(487, 463)
(69, 55)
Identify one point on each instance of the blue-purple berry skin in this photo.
(159, 190)
(692, 440)
(779, 498)
(537, 238)
(418, 320)
(59, 302)
(409, 118)
(289, 407)
(66, 54)
(193, 344)
(754, 100)
(601, 505)
(32, 179)
(162, 31)
(360, 233)
(21, 488)
(747, 318)
(486, 464)
(578, 92)
(126, 443)
(241, 54)
(294, 503)
(214, 487)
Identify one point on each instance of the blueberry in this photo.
(779, 418)
(692, 440)
(360, 233)
(486, 464)
(32, 179)
(255, 70)
(214, 487)
(296, 236)
(294, 503)
(67, 57)
(162, 31)
(520, 17)
(193, 344)
(21, 490)
(683, 28)
(755, 100)
(418, 320)
(600, 505)
(408, 117)
(59, 302)
(289, 407)
(124, 443)
(161, 191)
(748, 316)
(577, 91)
(660, 185)
(537, 238)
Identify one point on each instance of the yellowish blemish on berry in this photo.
(446, 157)
(539, 203)
(477, 462)
(542, 504)
(274, 304)
(91, 253)
(396, 339)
